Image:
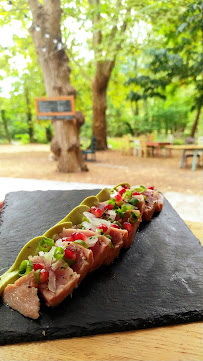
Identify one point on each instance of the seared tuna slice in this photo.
(98, 244)
(22, 296)
(134, 222)
(151, 201)
(118, 236)
(160, 203)
(63, 280)
(81, 258)
(141, 204)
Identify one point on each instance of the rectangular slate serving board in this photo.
(157, 282)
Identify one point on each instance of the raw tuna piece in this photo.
(118, 236)
(151, 201)
(129, 240)
(141, 204)
(22, 296)
(100, 250)
(84, 259)
(62, 280)
(65, 282)
(160, 203)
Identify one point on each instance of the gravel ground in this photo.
(111, 167)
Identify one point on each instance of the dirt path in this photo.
(111, 167)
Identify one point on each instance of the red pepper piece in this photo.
(69, 254)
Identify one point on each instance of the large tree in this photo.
(46, 34)
(109, 25)
(178, 57)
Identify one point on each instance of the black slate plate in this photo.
(157, 282)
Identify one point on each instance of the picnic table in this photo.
(194, 148)
(158, 145)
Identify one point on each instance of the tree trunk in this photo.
(99, 97)
(5, 123)
(29, 116)
(46, 34)
(99, 115)
(103, 70)
(194, 126)
(49, 135)
(136, 107)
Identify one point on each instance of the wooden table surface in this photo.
(174, 343)
(185, 147)
(195, 148)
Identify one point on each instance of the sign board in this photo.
(55, 108)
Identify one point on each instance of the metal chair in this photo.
(91, 150)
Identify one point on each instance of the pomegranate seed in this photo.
(79, 235)
(69, 254)
(103, 227)
(152, 187)
(37, 266)
(125, 186)
(114, 225)
(93, 209)
(128, 226)
(68, 239)
(99, 213)
(118, 197)
(121, 191)
(136, 193)
(109, 207)
(43, 275)
(96, 211)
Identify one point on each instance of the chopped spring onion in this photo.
(45, 244)
(37, 275)
(139, 189)
(133, 217)
(82, 243)
(59, 253)
(127, 195)
(134, 201)
(25, 267)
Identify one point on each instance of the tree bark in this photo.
(103, 73)
(195, 124)
(29, 116)
(46, 34)
(99, 96)
(5, 123)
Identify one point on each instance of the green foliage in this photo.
(156, 84)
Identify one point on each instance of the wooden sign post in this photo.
(55, 108)
(65, 144)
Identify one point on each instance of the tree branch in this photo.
(34, 6)
(97, 36)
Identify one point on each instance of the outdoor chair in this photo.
(91, 150)
(136, 148)
(127, 146)
(143, 146)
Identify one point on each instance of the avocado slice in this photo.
(58, 228)
(90, 201)
(76, 215)
(104, 195)
(10, 276)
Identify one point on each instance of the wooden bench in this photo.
(91, 150)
